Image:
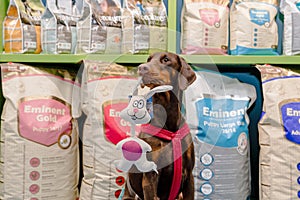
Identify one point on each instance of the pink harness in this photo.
(177, 151)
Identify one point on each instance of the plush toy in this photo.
(133, 148)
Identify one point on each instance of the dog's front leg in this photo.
(188, 188)
(127, 194)
(150, 182)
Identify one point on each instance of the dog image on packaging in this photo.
(39, 137)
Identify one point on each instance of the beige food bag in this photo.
(58, 24)
(99, 28)
(291, 26)
(222, 167)
(22, 27)
(39, 141)
(144, 26)
(205, 27)
(105, 88)
(279, 134)
(253, 28)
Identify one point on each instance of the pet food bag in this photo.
(100, 29)
(104, 94)
(59, 26)
(291, 39)
(22, 27)
(216, 108)
(279, 134)
(144, 26)
(253, 29)
(39, 139)
(91, 37)
(204, 27)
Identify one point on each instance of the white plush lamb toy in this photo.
(133, 148)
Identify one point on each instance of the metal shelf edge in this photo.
(130, 58)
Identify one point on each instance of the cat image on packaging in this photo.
(279, 134)
(39, 157)
(144, 26)
(253, 28)
(22, 27)
(205, 27)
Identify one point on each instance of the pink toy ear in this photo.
(132, 151)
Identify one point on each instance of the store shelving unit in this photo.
(229, 61)
(128, 58)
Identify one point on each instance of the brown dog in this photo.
(166, 134)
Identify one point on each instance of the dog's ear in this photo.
(186, 76)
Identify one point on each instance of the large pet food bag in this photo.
(279, 134)
(59, 26)
(22, 26)
(144, 26)
(291, 39)
(39, 139)
(104, 93)
(216, 112)
(100, 27)
(253, 29)
(205, 27)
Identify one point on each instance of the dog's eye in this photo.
(166, 59)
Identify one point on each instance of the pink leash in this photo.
(177, 151)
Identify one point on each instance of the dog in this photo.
(166, 133)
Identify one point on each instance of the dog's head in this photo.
(164, 68)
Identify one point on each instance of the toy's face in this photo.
(136, 111)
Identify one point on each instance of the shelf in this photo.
(240, 60)
(32, 58)
(69, 58)
(135, 59)
(128, 58)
